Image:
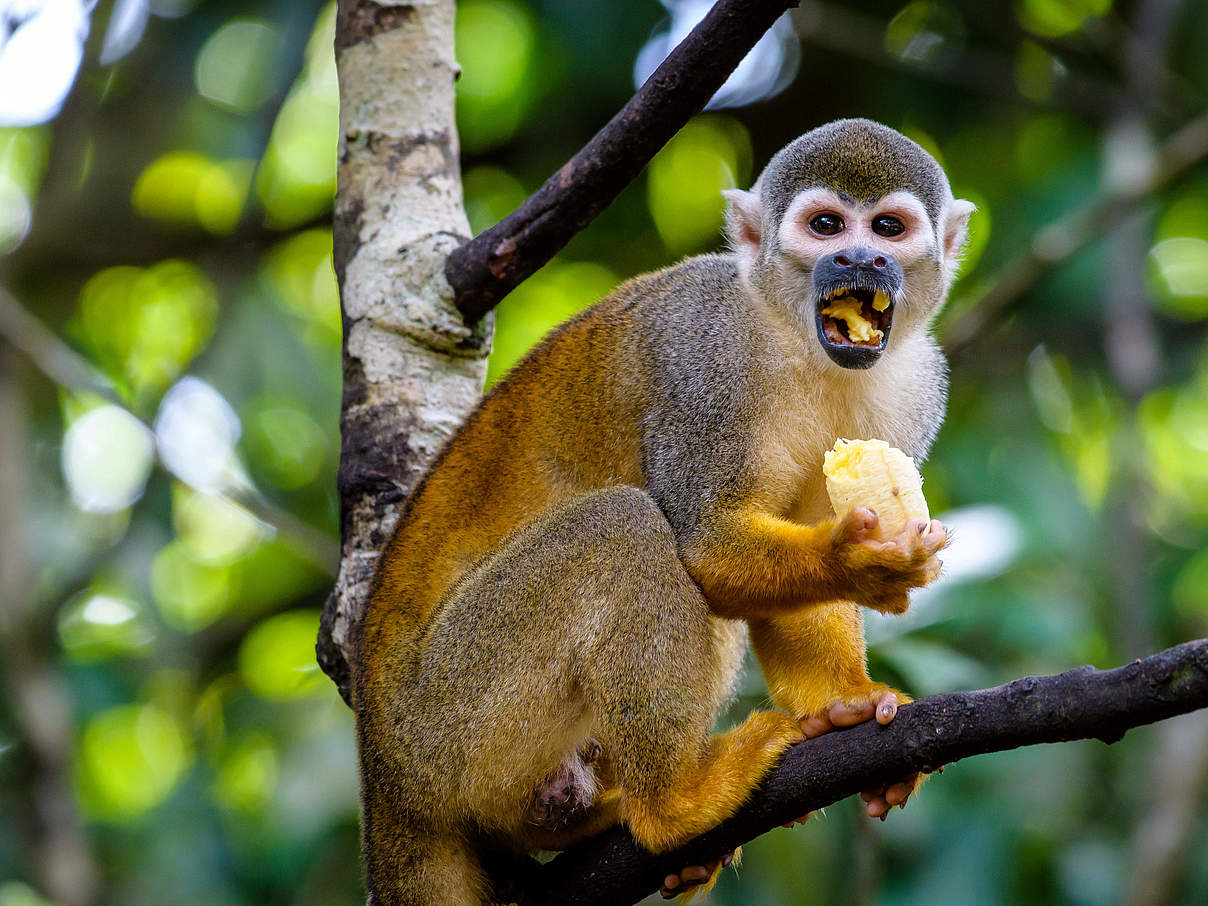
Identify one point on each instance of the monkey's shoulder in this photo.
(690, 317)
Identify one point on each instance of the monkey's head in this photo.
(853, 229)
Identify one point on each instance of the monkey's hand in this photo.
(859, 705)
(880, 574)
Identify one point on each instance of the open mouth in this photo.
(853, 325)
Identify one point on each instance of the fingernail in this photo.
(726, 860)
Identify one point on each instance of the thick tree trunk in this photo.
(412, 368)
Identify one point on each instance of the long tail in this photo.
(408, 864)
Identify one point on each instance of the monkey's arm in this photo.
(752, 564)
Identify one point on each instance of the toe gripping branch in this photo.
(1083, 703)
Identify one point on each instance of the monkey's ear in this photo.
(744, 222)
(956, 226)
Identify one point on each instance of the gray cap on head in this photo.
(857, 158)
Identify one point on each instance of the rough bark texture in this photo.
(611, 870)
(412, 368)
(486, 269)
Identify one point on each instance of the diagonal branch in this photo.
(1058, 241)
(491, 265)
(1083, 703)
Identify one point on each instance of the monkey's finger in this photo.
(842, 714)
(887, 707)
(877, 808)
(859, 524)
(870, 795)
(937, 532)
(804, 818)
(898, 793)
(815, 726)
(929, 571)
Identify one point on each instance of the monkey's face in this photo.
(857, 275)
(872, 267)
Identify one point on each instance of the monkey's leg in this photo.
(583, 625)
(656, 665)
(597, 616)
(816, 667)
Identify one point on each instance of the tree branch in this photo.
(488, 267)
(1083, 703)
(1059, 240)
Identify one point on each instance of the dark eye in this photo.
(888, 226)
(827, 224)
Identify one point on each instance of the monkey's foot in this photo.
(696, 879)
(566, 794)
(874, 700)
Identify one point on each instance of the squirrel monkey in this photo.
(564, 606)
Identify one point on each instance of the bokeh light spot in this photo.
(189, 189)
(247, 774)
(41, 52)
(97, 625)
(196, 431)
(297, 177)
(145, 325)
(277, 658)
(686, 178)
(495, 42)
(1179, 272)
(131, 758)
(235, 66)
(286, 442)
(14, 893)
(1036, 71)
(189, 594)
(213, 529)
(920, 31)
(1053, 18)
(107, 456)
(767, 69)
(299, 272)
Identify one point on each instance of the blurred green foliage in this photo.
(173, 222)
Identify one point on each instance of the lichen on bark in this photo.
(413, 369)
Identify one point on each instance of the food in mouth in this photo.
(856, 317)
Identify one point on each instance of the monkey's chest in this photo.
(807, 500)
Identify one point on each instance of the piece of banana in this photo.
(859, 328)
(872, 474)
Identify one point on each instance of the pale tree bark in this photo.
(413, 369)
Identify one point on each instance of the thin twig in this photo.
(1084, 703)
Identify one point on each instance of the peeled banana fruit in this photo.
(872, 474)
